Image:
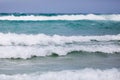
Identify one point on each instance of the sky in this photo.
(60, 6)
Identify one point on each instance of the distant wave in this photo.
(42, 39)
(113, 17)
(84, 74)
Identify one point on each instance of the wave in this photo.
(84, 74)
(42, 39)
(113, 17)
(26, 46)
(30, 51)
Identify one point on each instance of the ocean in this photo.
(59, 46)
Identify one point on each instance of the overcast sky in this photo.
(60, 6)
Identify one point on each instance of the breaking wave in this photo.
(42, 39)
(30, 51)
(25, 46)
(113, 17)
(84, 74)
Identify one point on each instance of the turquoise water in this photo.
(55, 46)
(82, 27)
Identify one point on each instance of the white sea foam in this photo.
(42, 39)
(114, 17)
(29, 51)
(85, 74)
(25, 46)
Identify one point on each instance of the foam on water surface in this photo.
(113, 17)
(42, 39)
(28, 52)
(84, 74)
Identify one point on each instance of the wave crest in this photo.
(114, 17)
(42, 39)
(25, 46)
(28, 52)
